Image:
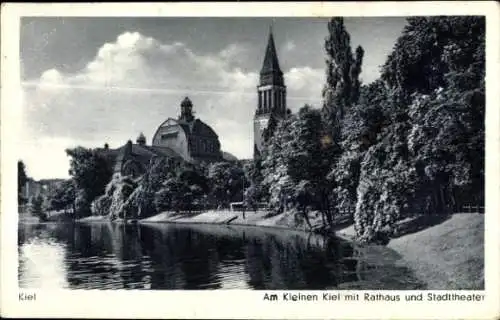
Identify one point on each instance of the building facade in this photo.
(271, 94)
(181, 140)
(191, 138)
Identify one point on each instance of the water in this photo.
(168, 257)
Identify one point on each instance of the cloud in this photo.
(46, 157)
(305, 85)
(136, 82)
(289, 46)
(51, 76)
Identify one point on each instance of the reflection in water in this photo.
(42, 264)
(163, 256)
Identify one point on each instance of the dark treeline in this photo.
(410, 142)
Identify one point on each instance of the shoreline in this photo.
(283, 221)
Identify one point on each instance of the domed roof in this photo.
(200, 128)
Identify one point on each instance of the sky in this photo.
(90, 81)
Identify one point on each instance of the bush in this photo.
(82, 204)
(117, 193)
(36, 208)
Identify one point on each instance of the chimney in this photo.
(128, 147)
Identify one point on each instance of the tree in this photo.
(254, 192)
(427, 150)
(115, 202)
(276, 182)
(36, 208)
(62, 196)
(343, 68)
(250, 197)
(90, 173)
(446, 153)
(181, 193)
(193, 177)
(142, 200)
(22, 179)
(226, 180)
(195, 187)
(360, 129)
(82, 204)
(309, 159)
(443, 81)
(169, 197)
(295, 163)
(341, 95)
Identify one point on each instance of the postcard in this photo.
(250, 160)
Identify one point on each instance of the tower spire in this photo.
(271, 63)
(271, 94)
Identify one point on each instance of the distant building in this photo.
(133, 158)
(191, 138)
(185, 139)
(271, 93)
(34, 188)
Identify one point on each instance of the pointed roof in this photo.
(141, 139)
(271, 63)
(186, 102)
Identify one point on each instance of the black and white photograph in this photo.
(256, 153)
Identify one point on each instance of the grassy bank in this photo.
(448, 255)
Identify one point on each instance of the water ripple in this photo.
(100, 256)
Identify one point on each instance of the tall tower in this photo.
(271, 93)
